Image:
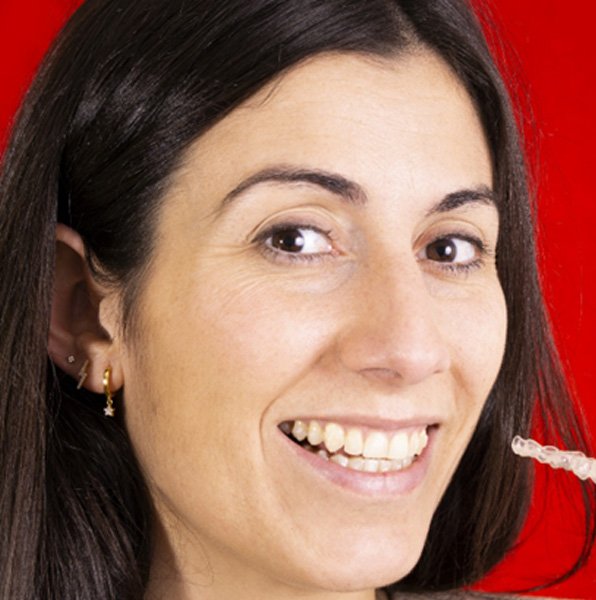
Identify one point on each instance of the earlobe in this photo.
(78, 343)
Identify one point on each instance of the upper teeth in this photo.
(372, 444)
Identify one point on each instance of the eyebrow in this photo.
(478, 195)
(349, 191)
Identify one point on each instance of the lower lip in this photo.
(389, 484)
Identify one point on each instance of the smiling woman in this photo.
(283, 251)
(375, 313)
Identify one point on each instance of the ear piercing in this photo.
(108, 411)
(83, 374)
(70, 359)
(576, 462)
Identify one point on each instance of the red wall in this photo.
(553, 40)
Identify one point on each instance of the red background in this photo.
(554, 67)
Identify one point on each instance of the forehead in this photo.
(381, 121)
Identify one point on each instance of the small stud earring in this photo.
(82, 375)
(108, 411)
(71, 359)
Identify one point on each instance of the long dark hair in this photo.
(126, 88)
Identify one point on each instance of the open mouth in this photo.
(359, 449)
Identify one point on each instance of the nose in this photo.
(394, 333)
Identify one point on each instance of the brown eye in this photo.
(299, 240)
(288, 240)
(452, 250)
(443, 250)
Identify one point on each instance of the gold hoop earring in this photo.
(108, 411)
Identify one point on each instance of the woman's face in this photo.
(325, 256)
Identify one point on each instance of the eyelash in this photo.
(288, 257)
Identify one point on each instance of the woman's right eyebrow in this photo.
(347, 190)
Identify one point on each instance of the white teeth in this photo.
(414, 444)
(375, 452)
(418, 442)
(376, 445)
(423, 438)
(356, 463)
(384, 466)
(398, 448)
(401, 464)
(340, 459)
(354, 443)
(315, 433)
(371, 465)
(334, 437)
(299, 431)
(323, 454)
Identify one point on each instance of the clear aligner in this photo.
(576, 462)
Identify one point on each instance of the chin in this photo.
(376, 565)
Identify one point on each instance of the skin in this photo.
(234, 337)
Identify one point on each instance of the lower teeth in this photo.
(359, 463)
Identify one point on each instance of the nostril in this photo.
(381, 373)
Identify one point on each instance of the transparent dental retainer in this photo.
(576, 462)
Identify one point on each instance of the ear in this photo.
(84, 321)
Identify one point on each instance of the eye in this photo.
(453, 250)
(298, 240)
(455, 253)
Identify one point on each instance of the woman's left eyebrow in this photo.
(478, 195)
(349, 191)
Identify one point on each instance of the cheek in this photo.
(217, 356)
(264, 338)
(197, 404)
(478, 329)
(475, 329)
